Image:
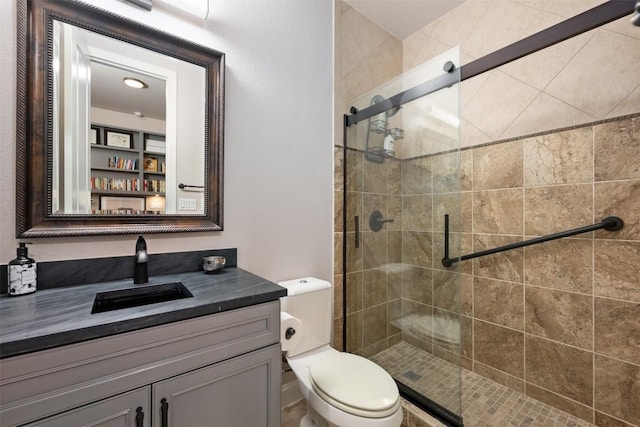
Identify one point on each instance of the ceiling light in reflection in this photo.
(134, 83)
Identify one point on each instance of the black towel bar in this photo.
(610, 223)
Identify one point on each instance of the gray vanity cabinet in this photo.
(222, 369)
(238, 392)
(125, 410)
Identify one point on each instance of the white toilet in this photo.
(341, 389)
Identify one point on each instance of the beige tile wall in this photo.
(559, 321)
(586, 78)
(366, 57)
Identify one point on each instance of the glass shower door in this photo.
(402, 176)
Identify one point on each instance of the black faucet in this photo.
(140, 272)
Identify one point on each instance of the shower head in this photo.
(635, 19)
(390, 112)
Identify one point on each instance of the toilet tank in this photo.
(309, 300)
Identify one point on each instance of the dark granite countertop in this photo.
(61, 316)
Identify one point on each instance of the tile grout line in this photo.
(593, 282)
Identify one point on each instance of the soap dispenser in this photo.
(22, 273)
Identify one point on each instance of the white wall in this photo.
(278, 178)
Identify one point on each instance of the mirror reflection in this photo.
(125, 140)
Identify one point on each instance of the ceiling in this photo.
(109, 93)
(401, 18)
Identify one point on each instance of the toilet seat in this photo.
(354, 384)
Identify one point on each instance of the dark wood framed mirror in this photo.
(94, 159)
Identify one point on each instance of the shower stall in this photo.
(418, 200)
(402, 176)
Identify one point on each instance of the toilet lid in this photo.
(354, 384)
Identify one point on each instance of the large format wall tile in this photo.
(560, 316)
(554, 57)
(499, 347)
(560, 368)
(354, 208)
(374, 287)
(604, 420)
(353, 169)
(417, 213)
(375, 252)
(617, 269)
(498, 376)
(599, 67)
(617, 331)
(502, 24)
(416, 176)
(394, 185)
(447, 289)
(375, 177)
(417, 284)
(558, 401)
(459, 208)
(629, 105)
(354, 291)
(395, 212)
(507, 265)
(498, 166)
(498, 211)
(370, 203)
(564, 264)
(446, 173)
(417, 248)
(619, 198)
(454, 28)
(559, 158)
(394, 247)
(617, 149)
(394, 310)
(354, 332)
(338, 206)
(374, 324)
(545, 113)
(502, 95)
(557, 208)
(499, 302)
(617, 388)
(338, 251)
(466, 170)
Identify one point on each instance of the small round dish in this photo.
(213, 263)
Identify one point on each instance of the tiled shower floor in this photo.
(485, 403)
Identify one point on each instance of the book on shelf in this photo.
(119, 184)
(154, 185)
(116, 162)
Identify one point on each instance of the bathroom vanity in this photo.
(210, 358)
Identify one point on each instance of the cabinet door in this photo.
(129, 409)
(239, 392)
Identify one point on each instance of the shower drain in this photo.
(412, 376)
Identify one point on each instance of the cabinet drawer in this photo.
(48, 382)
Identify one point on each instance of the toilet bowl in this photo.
(341, 389)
